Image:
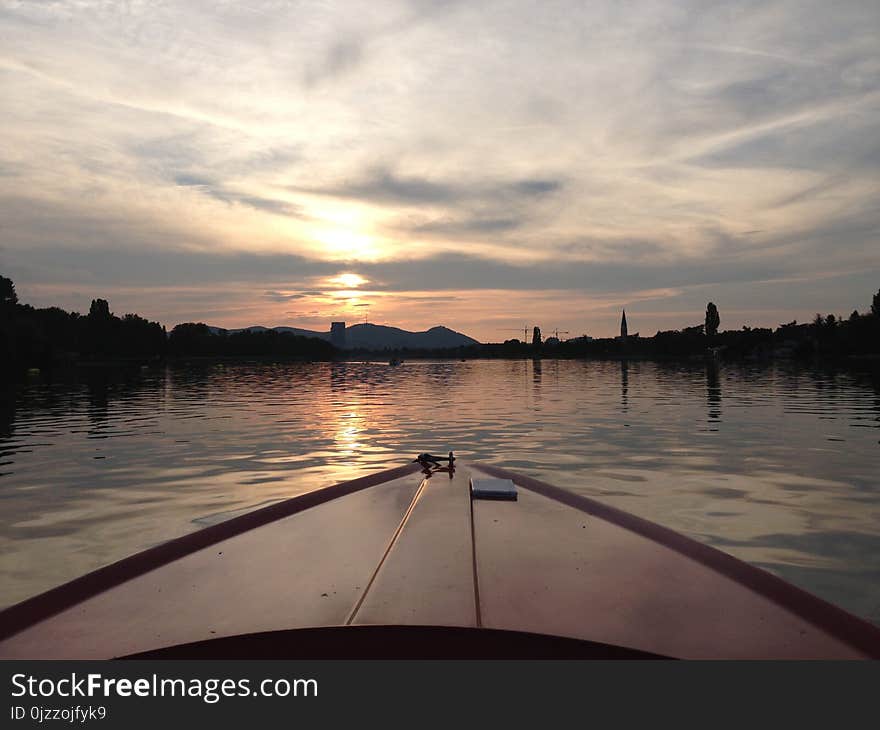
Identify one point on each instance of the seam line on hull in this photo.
(391, 543)
(478, 613)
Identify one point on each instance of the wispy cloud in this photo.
(277, 296)
(384, 186)
(341, 56)
(219, 192)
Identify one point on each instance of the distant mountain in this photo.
(379, 337)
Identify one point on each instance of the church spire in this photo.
(623, 326)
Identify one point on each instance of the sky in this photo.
(484, 166)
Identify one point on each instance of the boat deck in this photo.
(418, 551)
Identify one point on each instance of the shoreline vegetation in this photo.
(49, 338)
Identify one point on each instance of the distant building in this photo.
(337, 334)
(623, 326)
(536, 336)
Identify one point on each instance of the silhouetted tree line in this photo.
(197, 339)
(43, 338)
(31, 337)
(827, 337)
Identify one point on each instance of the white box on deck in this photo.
(490, 488)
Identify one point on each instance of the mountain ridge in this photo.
(370, 336)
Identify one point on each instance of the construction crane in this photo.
(558, 332)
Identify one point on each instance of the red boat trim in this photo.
(846, 627)
(33, 610)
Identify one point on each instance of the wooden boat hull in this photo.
(403, 564)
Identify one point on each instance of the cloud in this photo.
(453, 272)
(440, 272)
(110, 266)
(465, 226)
(193, 181)
(223, 194)
(276, 296)
(381, 185)
(340, 57)
(828, 143)
(537, 187)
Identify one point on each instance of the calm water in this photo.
(776, 466)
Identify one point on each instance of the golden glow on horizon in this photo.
(347, 294)
(349, 302)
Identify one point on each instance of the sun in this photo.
(348, 281)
